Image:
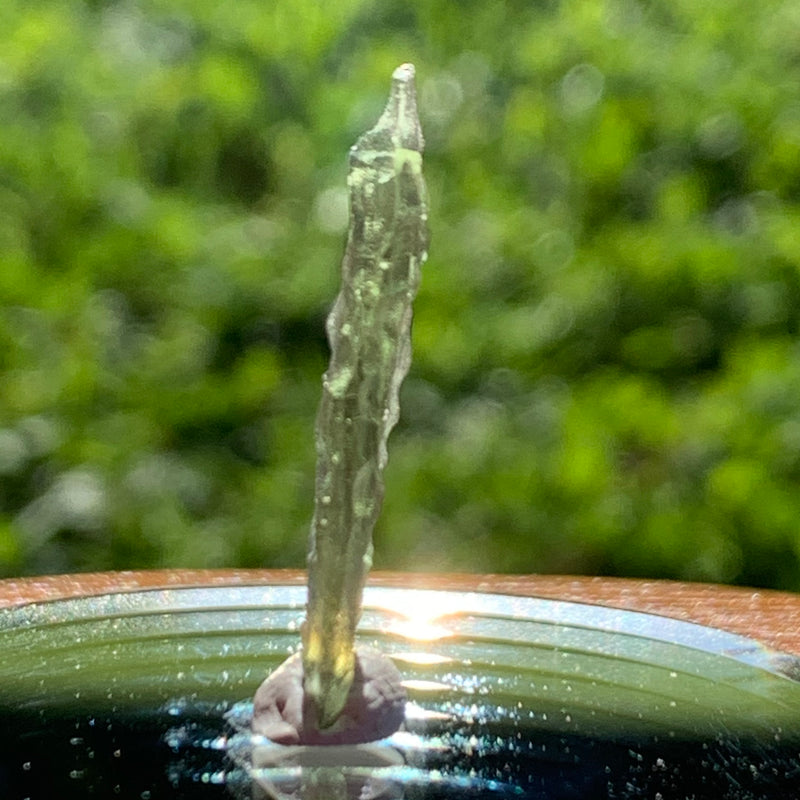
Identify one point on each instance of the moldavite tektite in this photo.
(334, 690)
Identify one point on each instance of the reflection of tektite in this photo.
(345, 772)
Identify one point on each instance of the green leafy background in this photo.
(606, 376)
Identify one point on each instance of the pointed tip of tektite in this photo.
(398, 126)
(405, 72)
(402, 109)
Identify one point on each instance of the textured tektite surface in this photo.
(369, 330)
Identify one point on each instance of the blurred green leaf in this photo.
(607, 366)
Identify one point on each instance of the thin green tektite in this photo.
(369, 330)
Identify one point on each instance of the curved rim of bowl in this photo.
(753, 613)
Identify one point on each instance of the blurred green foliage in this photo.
(607, 363)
